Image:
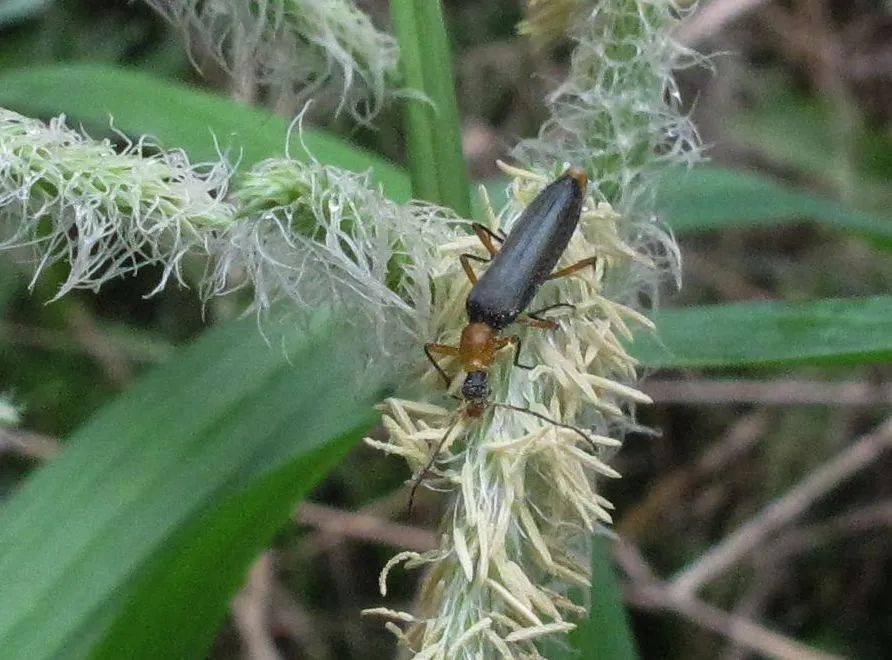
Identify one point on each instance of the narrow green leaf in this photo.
(440, 88)
(711, 199)
(419, 128)
(606, 633)
(105, 550)
(833, 331)
(179, 116)
(433, 130)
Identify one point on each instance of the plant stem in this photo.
(433, 132)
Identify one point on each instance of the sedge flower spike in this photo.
(525, 491)
(296, 232)
(303, 48)
(104, 211)
(617, 113)
(315, 235)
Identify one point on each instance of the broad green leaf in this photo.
(703, 199)
(105, 551)
(802, 133)
(833, 331)
(179, 116)
(13, 11)
(711, 198)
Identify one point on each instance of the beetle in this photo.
(525, 261)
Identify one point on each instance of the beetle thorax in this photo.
(477, 349)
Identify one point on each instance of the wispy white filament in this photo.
(315, 235)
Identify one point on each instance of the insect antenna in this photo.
(417, 481)
(545, 418)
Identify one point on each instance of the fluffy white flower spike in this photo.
(103, 211)
(301, 47)
(315, 235)
(525, 489)
(617, 113)
(525, 497)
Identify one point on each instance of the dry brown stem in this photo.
(647, 592)
(712, 18)
(707, 391)
(251, 611)
(362, 526)
(772, 518)
(28, 444)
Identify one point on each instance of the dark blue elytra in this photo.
(529, 254)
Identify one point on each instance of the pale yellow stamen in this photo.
(469, 634)
(513, 602)
(538, 631)
(390, 614)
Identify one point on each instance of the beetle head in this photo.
(475, 391)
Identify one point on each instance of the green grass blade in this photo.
(606, 632)
(832, 331)
(418, 126)
(712, 199)
(105, 550)
(179, 116)
(440, 87)
(436, 162)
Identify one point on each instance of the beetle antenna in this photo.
(544, 418)
(417, 481)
